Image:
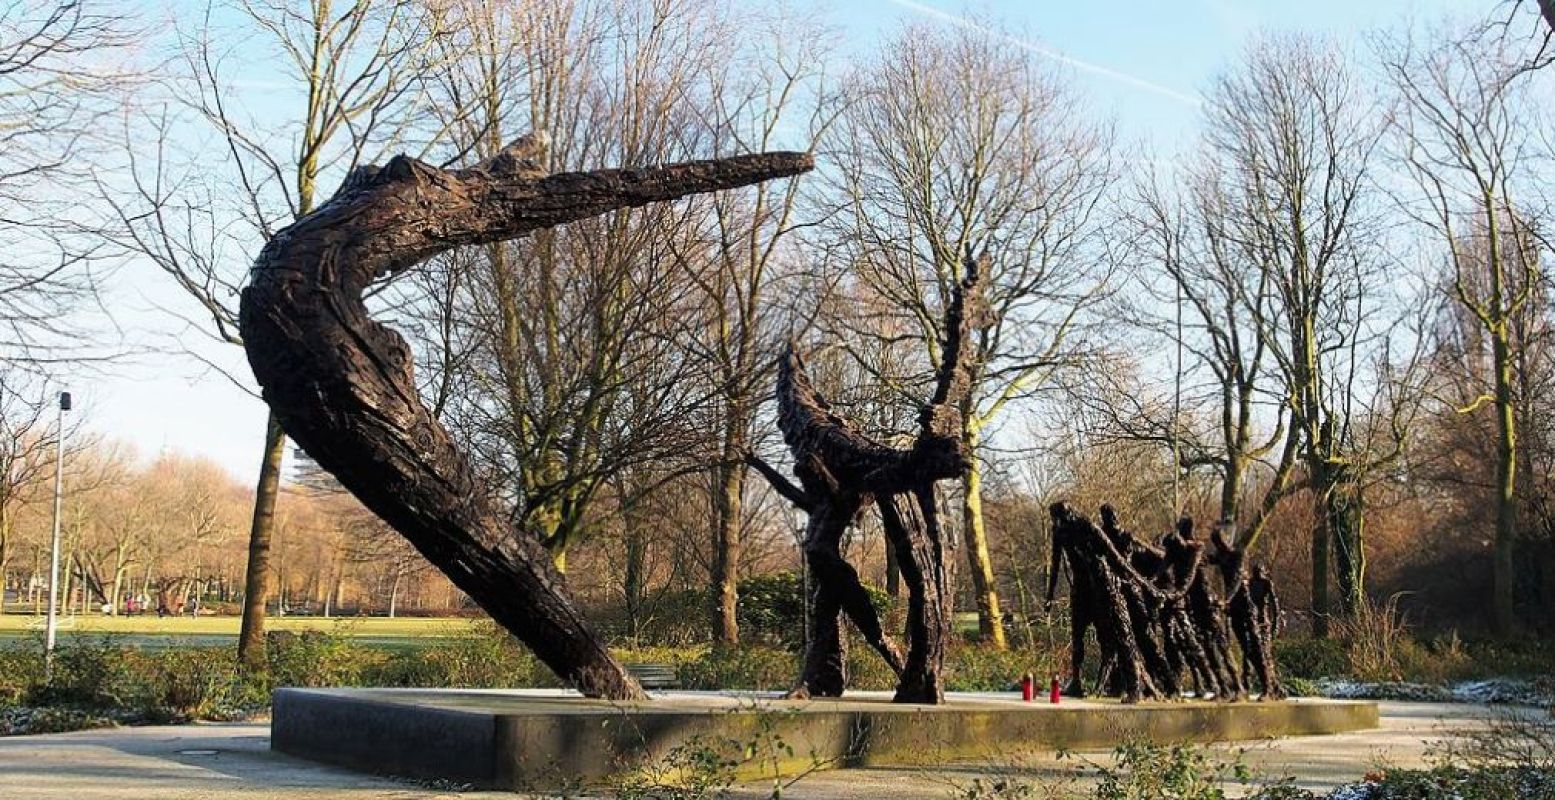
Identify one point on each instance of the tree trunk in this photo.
(118, 586)
(394, 591)
(5, 553)
(990, 620)
(341, 383)
(1504, 571)
(1322, 534)
(67, 557)
(893, 573)
(1345, 513)
(1321, 607)
(33, 587)
(257, 580)
(726, 546)
(633, 579)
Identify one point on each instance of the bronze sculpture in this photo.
(1155, 614)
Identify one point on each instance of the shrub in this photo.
(772, 608)
(674, 656)
(96, 672)
(317, 658)
(16, 721)
(1284, 790)
(744, 667)
(1526, 657)
(699, 769)
(1458, 783)
(1374, 638)
(672, 618)
(21, 672)
(1299, 687)
(867, 671)
(996, 788)
(970, 668)
(1311, 659)
(967, 668)
(200, 683)
(771, 612)
(1432, 660)
(490, 659)
(1146, 771)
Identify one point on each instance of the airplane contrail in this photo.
(1049, 53)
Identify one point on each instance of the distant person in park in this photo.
(162, 609)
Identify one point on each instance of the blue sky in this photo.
(1142, 62)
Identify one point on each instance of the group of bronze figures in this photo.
(1158, 618)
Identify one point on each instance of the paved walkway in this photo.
(234, 762)
(1408, 732)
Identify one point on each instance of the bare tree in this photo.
(1201, 289)
(772, 89)
(1465, 138)
(122, 525)
(954, 141)
(27, 450)
(61, 74)
(1296, 134)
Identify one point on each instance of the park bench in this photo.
(655, 676)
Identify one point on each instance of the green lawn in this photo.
(150, 624)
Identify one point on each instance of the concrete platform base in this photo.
(547, 740)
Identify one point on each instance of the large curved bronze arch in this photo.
(341, 383)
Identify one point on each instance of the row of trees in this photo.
(168, 533)
(1326, 319)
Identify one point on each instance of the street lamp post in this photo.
(51, 623)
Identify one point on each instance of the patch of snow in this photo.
(1353, 791)
(1495, 690)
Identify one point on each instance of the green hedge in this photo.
(967, 669)
(1311, 659)
(770, 612)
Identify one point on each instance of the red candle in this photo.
(1027, 687)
